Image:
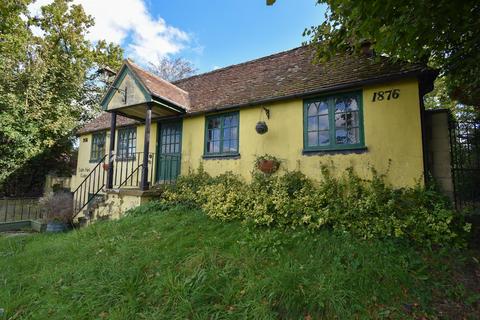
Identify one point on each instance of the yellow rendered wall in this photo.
(392, 132)
(84, 167)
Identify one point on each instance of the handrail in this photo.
(84, 193)
(124, 172)
(130, 175)
(88, 176)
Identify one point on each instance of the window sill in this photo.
(221, 156)
(358, 150)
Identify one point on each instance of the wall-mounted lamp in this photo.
(267, 112)
(107, 76)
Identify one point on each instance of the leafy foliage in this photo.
(365, 208)
(439, 99)
(47, 83)
(442, 33)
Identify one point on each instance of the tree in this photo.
(48, 84)
(439, 99)
(442, 33)
(172, 69)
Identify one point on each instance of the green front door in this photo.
(169, 150)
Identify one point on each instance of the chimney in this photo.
(366, 48)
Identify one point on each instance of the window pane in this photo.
(233, 146)
(352, 119)
(216, 134)
(323, 123)
(340, 120)
(226, 134)
(353, 136)
(235, 120)
(227, 122)
(312, 123)
(324, 138)
(340, 105)
(352, 104)
(313, 139)
(234, 133)
(323, 109)
(213, 123)
(341, 136)
(226, 146)
(312, 109)
(216, 146)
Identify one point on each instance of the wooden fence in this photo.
(17, 209)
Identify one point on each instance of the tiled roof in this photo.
(284, 74)
(161, 88)
(279, 76)
(102, 122)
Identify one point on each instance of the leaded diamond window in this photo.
(333, 122)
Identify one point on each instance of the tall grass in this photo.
(182, 265)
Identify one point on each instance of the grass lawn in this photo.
(182, 265)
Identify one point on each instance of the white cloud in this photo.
(128, 23)
(216, 67)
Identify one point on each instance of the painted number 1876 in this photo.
(386, 95)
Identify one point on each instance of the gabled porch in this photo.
(141, 96)
(145, 97)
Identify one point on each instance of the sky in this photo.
(209, 33)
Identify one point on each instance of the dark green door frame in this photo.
(169, 150)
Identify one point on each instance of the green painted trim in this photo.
(331, 121)
(164, 103)
(223, 156)
(111, 91)
(121, 130)
(157, 150)
(98, 133)
(220, 154)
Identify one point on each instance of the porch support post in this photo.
(113, 125)
(146, 148)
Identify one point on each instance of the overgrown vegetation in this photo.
(408, 30)
(48, 79)
(180, 264)
(365, 208)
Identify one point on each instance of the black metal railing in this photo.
(465, 155)
(17, 209)
(127, 171)
(90, 187)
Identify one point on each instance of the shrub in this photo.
(365, 208)
(58, 206)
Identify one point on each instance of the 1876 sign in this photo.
(386, 95)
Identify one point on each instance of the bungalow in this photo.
(354, 110)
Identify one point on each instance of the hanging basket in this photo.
(261, 127)
(268, 166)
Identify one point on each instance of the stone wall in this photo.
(437, 138)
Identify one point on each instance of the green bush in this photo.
(365, 208)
